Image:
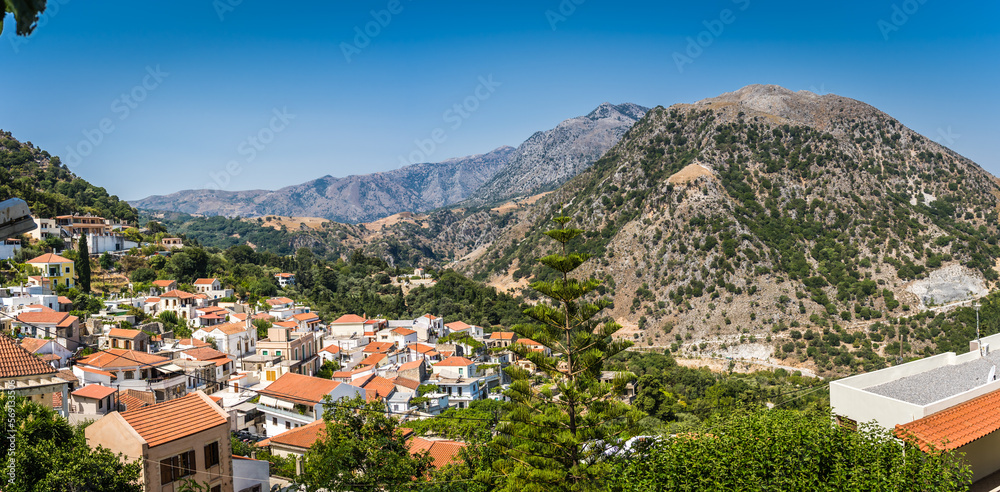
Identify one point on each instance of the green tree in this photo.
(49, 454)
(361, 450)
(786, 450)
(25, 12)
(557, 434)
(83, 265)
(107, 261)
(327, 369)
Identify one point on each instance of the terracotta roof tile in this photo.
(454, 362)
(204, 353)
(955, 427)
(349, 318)
(411, 365)
(163, 283)
(420, 348)
(16, 361)
(297, 388)
(275, 301)
(94, 391)
(33, 344)
(119, 358)
(333, 349)
(457, 326)
(46, 318)
(502, 335)
(49, 258)
(286, 324)
(301, 437)
(204, 281)
(380, 386)
(228, 328)
(123, 333)
(68, 376)
(144, 397)
(306, 316)
(64, 300)
(174, 419)
(403, 331)
(95, 371)
(372, 360)
(194, 342)
(178, 294)
(378, 347)
(442, 452)
(412, 384)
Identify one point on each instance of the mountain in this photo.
(544, 160)
(548, 159)
(762, 223)
(352, 199)
(49, 187)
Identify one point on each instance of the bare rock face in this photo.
(550, 158)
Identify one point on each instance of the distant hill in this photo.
(543, 161)
(51, 189)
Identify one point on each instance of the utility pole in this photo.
(979, 341)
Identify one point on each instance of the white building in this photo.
(233, 339)
(294, 400)
(212, 288)
(910, 400)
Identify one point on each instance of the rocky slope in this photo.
(548, 159)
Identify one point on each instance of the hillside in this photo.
(49, 187)
(548, 159)
(728, 226)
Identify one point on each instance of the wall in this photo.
(248, 473)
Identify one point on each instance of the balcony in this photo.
(304, 418)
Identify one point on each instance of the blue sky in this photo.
(152, 98)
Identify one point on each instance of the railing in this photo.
(289, 414)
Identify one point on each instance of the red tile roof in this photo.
(123, 333)
(205, 281)
(194, 342)
(377, 387)
(502, 335)
(152, 300)
(68, 376)
(64, 300)
(454, 362)
(306, 316)
(412, 384)
(411, 365)
(420, 348)
(49, 258)
(227, 328)
(33, 344)
(94, 391)
(178, 294)
(349, 318)
(403, 331)
(442, 452)
(174, 419)
(274, 301)
(163, 283)
(95, 371)
(135, 399)
(372, 360)
(46, 318)
(16, 361)
(300, 437)
(429, 316)
(378, 347)
(955, 427)
(204, 353)
(284, 275)
(333, 349)
(297, 388)
(286, 324)
(119, 358)
(457, 326)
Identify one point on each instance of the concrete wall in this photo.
(248, 473)
(983, 455)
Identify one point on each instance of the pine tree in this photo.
(83, 265)
(559, 435)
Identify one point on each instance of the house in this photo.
(182, 439)
(24, 374)
(416, 370)
(534, 346)
(376, 387)
(44, 228)
(462, 327)
(455, 367)
(212, 288)
(103, 242)
(128, 339)
(49, 350)
(295, 400)
(501, 339)
(222, 365)
(164, 285)
(297, 349)
(63, 327)
(442, 451)
(9, 247)
(171, 243)
(910, 400)
(347, 326)
(76, 225)
(307, 321)
(235, 339)
(180, 303)
(399, 336)
(419, 351)
(93, 399)
(285, 279)
(55, 271)
(129, 369)
(209, 316)
(429, 328)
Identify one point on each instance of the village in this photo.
(259, 371)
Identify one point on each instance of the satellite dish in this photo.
(992, 376)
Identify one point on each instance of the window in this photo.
(212, 454)
(277, 353)
(274, 420)
(177, 467)
(459, 391)
(287, 425)
(218, 488)
(264, 352)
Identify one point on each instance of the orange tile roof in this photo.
(372, 360)
(16, 361)
(377, 387)
(174, 419)
(274, 301)
(64, 300)
(502, 335)
(442, 452)
(333, 349)
(147, 397)
(297, 388)
(178, 293)
(306, 316)
(403, 331)
(955, 427)
(284, 275)
(130, 402)
(378, 347)
(47, 318)
(349, 318)
(301, 437)
(94, 391)
(429, 316)
(163, 283)
(44, 309)
(33, 344)
(120, 358)
(151, 300)
(457, 326)
(95, 371)
(205, 281)
(228, 328)
(194, 342)
(454, 362)
(286, 324)
(420, 348)
(49, 258)
(123, 333)
(262, 316)
(222, 361)
(68, 376)
(411, 365)
(203, 353)
(239, 316)
(412, 384)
